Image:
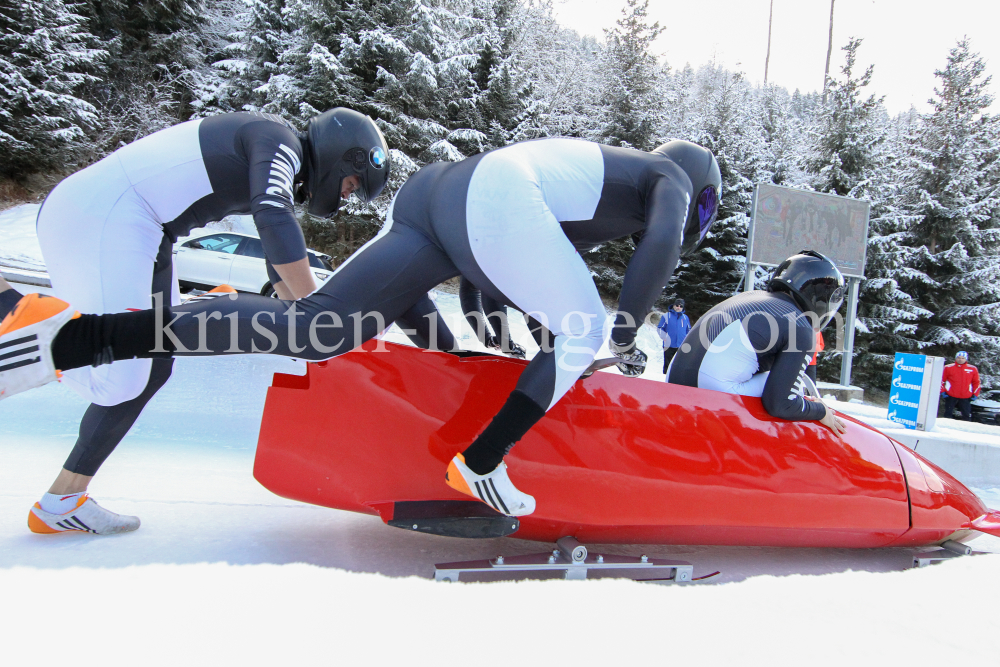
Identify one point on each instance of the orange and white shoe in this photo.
(86, 517)
(495, 488)
(26, 336)
(212, 293)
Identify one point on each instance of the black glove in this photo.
(635, 358)
(517, 351)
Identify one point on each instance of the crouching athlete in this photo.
(759, 343)
(510, 220)
(107, 233)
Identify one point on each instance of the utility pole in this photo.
(829, 50)
(767, 61)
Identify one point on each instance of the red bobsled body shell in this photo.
(941, 507)
(617, 460)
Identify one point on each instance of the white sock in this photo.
(60, 504)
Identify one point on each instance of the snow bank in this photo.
(19, 247)
(18, 241)
(224, 572)
(300, 614)
(944, 429)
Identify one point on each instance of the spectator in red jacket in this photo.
(820, 346)
(960, 383)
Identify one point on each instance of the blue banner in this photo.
(904, 395)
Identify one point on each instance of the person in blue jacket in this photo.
(673, 327)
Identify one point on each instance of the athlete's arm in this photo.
(654, 260)
(496, 315)
(470, 299)
(275, 156)
(781, 396)
(297, 280)
(279, 284)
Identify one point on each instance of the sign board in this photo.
(915, 390)
(787, 220)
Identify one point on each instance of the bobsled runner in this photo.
(617, 461)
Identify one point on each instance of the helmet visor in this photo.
(708, 209)
(832, 306)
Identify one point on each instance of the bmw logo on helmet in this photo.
(377, 157)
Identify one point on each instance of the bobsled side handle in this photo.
(988, 523)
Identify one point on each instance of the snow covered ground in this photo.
(18, 241)
(955, 429)
(224, 572)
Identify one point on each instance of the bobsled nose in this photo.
(988, 523)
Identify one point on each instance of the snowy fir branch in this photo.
(448, 80)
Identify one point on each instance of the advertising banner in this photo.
(786, 220)
(904, 395)
(916, 387)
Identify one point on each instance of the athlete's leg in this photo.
(518, 251)
(8, 298)
(373, 288)
(103, 427)
(425, 327)
(100, 245)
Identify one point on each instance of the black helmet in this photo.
(706, 183)
(343, 143)
(813, 281)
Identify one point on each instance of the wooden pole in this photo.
(829, 50)
(767, 61)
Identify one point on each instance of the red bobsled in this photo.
(617, 460)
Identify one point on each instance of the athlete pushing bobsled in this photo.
(759, 343)
(107, 232)
(509, 220)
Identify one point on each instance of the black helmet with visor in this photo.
(814, 283)
(342, 143)
(706, 183)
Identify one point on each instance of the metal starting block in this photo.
(572, 558)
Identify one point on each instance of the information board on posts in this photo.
(916, 387)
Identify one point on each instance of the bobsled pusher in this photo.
(617, 461)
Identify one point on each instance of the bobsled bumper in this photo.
(989, 523)
(941, 507)
(617, 460)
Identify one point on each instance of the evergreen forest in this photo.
(447, 79)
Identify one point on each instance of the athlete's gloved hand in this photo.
(630, 353)
(517, 351)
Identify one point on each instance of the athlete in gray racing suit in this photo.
(107, 234)
(759, 343)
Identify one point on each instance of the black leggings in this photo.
(103, 427)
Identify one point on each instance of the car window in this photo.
(318, 262)
(253, 248)
(220, 243)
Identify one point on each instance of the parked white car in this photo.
(232, 258)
